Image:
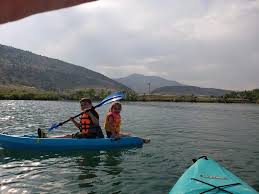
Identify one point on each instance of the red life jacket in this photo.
(86, 123)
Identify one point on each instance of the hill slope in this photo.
(190, 90)
(18, 67)
(139, 82)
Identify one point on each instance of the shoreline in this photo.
(30, 93)
(175, 99)
(195, 99)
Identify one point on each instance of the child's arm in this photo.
(78, 125)
(94, 116)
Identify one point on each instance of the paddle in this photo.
(111, 98)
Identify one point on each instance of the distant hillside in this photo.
(18, 67)
(139, 82)
(190, 90)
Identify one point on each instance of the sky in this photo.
(206, 43)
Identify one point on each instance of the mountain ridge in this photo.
(190, 90)
(21, 67)
(140, 82)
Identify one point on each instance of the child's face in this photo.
(85, 105)
(116, 109)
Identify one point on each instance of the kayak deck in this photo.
(16, 142)
(207, 176)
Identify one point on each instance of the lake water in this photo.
(228, 133)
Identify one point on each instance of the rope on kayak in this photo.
(221, 187)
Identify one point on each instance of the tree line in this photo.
(29, 93)
(251, 96)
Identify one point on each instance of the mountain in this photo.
(190, 90)
(140, 83)
(18, 67)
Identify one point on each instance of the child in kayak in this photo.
(89, 123)
(113, 122)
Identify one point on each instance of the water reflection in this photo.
(92, 169)
(179, 132)
(87, 166)
(112, 162)
(98, 169)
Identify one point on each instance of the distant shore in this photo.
(30, 93)
(194, 99)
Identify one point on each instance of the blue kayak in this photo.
(207, 176)
(16, 142)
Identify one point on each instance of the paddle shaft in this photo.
(60, 124)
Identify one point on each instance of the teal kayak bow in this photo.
(207, 176)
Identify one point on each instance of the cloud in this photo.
(205, 43)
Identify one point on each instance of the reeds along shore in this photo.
(191, 98)
(30, 93)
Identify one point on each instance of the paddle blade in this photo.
(53, 126)
(111, 98)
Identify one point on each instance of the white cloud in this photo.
(206, 43)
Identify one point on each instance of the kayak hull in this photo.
(206, 174)
(15, 142)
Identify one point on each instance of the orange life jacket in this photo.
(116, 122)
(86, 122)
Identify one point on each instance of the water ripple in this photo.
(178, 132)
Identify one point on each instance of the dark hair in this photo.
(85, 100)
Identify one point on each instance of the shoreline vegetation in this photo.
(31, 93)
